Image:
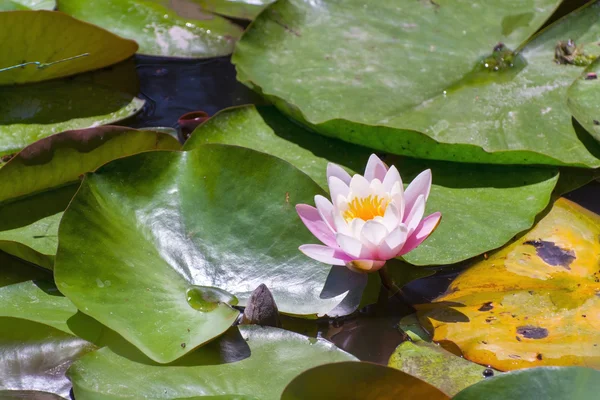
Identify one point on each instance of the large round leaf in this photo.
(13, 270)
(247, 361)
(160, 30)
(410, 78)
(38, 183)
(160, 225)
(533, 303)
(573, 383)
(477, 202)
(48, 37)
(358, 381)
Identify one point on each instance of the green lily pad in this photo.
(159, 225)
(13, 270)
(241, 9)
(476, 201)
(583, 99)
(59, 44)
(409, 77)
(11, 6)
(35, 357)
(248, 361)
(38, 111)
(161, 28)
(31, 112)
(358, 381)
(39, 182)
(37, 4)
(548, 383)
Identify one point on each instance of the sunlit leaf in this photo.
(477, 202)
(59, 45)
(549, 383)
(409, 77)
(174, 28)
(358, 381)
(248, 361)
(533, 303)
(39, 182)
(36, 4)
(583, 98)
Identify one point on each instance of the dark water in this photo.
(175, 87)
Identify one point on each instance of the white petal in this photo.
(391, 218)
(421, 185)
(325, 209)
(337, 188)
(397, 237)
(340, 224)
(397, 199)
(375, 169)
(356, 226)
(339, 172)
(351, 246)
(391, 178)
(373, 232)
(359, 186)
(416, 214)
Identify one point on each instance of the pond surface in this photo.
(173, 87)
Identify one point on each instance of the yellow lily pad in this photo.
(533, 303)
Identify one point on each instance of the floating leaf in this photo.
(248, 361)
(160, 232)
(54, 45)
(36, 357)
(436, 366)
(358, 381)
(242, 9)
(533, 303)
(477, 202)
(39, 182)
(36, 4)
(549, 383)
(159, 29)
(582, 98)
(32, 112)
(410, 77)
(13, 270)
(28, 395)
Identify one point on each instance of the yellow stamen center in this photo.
(365, 208)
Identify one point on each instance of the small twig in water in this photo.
(41, 65)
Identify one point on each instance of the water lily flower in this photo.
(370, 219)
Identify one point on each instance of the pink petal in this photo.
(325, 209)
(337, 188)
(413, 219)
(425, 228)
(421, 185)
(375, 169)
(325, 254)
(392, 244)
(338, 172)
(315, 224)
(391, 177)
